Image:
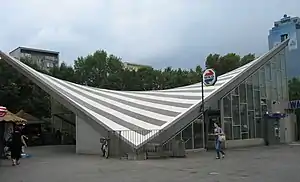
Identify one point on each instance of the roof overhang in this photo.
(173, 127)
(54, 93)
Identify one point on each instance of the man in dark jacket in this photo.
(16, 148)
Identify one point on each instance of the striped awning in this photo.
(142, 112)
(10, 117)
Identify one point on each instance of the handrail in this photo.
(171, 138)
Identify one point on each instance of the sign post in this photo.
(209, 78)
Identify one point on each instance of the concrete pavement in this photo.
(57, 164)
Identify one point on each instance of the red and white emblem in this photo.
(3, 112)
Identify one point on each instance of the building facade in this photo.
(242, 110)
(133, 121)
(288, 27)
(45, 59)
(134, 67)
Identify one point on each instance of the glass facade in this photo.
(193, 135)
(243, 108)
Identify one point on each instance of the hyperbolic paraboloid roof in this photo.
(142, 112)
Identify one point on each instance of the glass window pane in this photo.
(178, 136)
(284, 89)
(274, 77)
(269, 90)
(263, 92)
(262, 77)
(236, 110)
(259, 128)
(278, 62)
(257, 104)
(198, 134)
(279, 85)
(187, 136)
(282, 57)
(264, 109)
(235, 91)
(256, 81)
(228, 128)
(250, 95)
(251, 124)
(275, 62)
(268, 71)
(242, 89)
(236, 132)
(244, 117)
(227, 105)
(274, 94)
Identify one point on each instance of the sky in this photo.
(159, 33)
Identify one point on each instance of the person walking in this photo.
(219, 138)
(16, 147)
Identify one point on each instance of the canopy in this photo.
(10, 117)
(28, 117)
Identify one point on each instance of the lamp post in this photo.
(209, 78)
(203, 110)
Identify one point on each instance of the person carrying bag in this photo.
(220, 137)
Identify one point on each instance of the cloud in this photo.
(135, 29)
(166, 32)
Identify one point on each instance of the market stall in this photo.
(33, 128)
(7, 122)
(3, 112)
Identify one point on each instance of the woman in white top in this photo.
(218, 133)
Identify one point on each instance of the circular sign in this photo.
(3, 112)
(209, 77)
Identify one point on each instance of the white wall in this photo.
(87, 138)
(288, 125)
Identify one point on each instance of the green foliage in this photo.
(104, 71)
(294, 93)
(228, 62)
(18, 92)
(294, 89)
(247, 59)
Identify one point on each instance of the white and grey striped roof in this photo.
(142, 112)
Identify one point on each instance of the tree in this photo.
(223, 64)
(294, 94)
(213, 61)
(294, 89)
(247, 59)
(64, 72)
(229, 62)
(18, 92)
(95, 69)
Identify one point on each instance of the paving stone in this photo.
(58, 163)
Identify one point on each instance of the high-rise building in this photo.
(45, 59)
(288, 27)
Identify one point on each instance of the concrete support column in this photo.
(87, 138)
